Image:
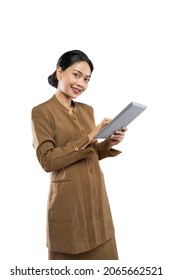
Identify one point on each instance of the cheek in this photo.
(64, 83)
(85, 86)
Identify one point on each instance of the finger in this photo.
(119, 132)
(118, 137)
(124, 128)
(106, 120)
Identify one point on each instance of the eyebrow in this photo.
(89, 76)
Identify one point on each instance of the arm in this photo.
(51, 157)
(104, 148)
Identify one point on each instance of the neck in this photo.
(64, 100)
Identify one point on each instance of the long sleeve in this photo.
(49, 155)
(103, 150)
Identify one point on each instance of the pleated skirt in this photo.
(106, 251)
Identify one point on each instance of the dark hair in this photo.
(66, 60)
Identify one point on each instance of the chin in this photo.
(75, 96)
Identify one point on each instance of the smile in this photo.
(76, 90)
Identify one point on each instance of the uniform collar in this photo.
(62, 107)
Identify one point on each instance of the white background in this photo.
(131, 46)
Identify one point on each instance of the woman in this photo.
(79, 222)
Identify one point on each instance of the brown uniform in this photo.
(79, 217)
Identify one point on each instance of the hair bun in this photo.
(53, 80)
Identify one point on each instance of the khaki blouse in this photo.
(79, 217)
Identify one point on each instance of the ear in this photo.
(58, 73)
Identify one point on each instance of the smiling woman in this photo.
(67, 60)
(79, 224)
(73, 81)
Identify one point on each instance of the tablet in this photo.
(126, 116)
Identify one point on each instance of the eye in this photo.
(76, 75)
(87, 80)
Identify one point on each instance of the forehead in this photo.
(81, 66)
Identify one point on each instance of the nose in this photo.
(81, 83)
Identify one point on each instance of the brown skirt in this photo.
(106, 251)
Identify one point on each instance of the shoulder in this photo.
(42, 112)
(43, 105)
(83, 106)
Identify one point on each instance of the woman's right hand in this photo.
(97, 129)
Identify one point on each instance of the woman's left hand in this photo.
(117, 137)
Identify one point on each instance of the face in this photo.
(74, 80)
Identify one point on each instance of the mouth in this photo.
(76, 90)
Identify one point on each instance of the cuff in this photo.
(104, 151)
